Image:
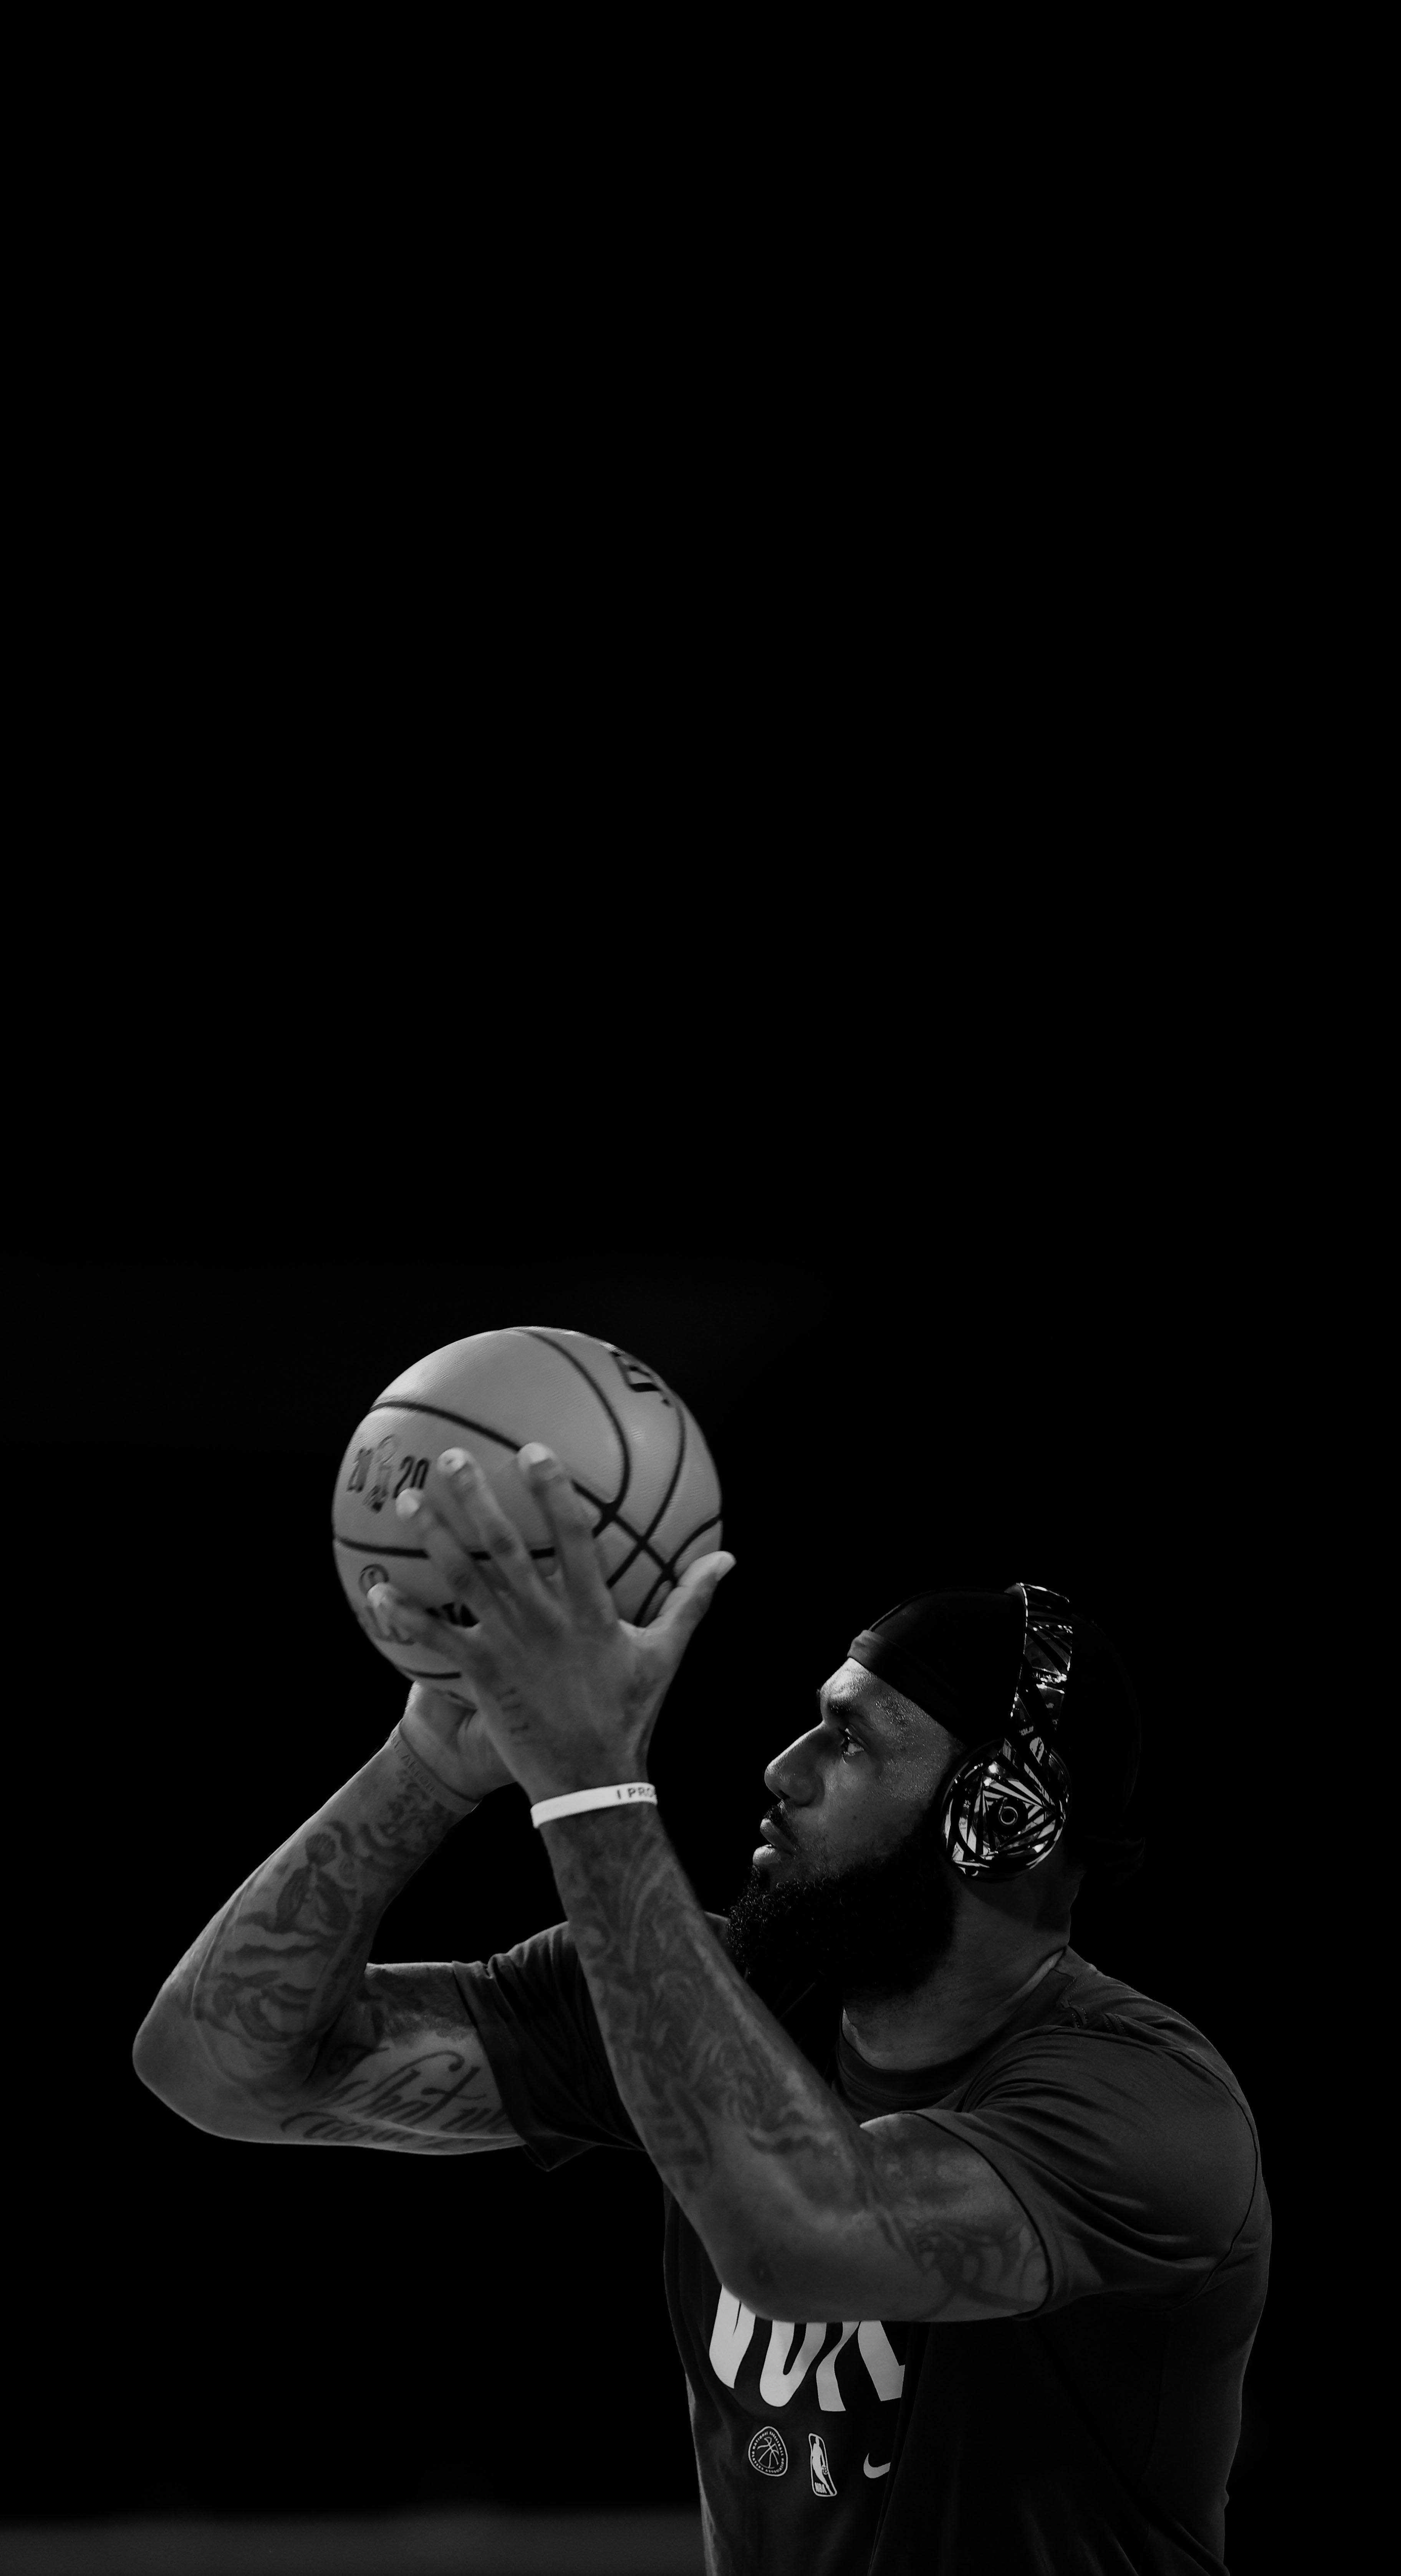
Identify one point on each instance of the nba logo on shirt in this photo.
(823, 2482)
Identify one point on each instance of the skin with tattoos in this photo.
(276, 2026)
(802, 2211)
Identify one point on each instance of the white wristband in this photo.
(624, 1793)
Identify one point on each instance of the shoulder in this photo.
(1110, 2083)
(1164, 2040)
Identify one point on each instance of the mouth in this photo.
(776, 1838)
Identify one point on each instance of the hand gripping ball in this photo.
(627, 1442)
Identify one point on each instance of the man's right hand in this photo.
(451, 1742)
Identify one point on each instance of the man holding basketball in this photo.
(886, 2098)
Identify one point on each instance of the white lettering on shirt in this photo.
(829, 2396)
(733, 2332)
(873, 2344)
(779, 2383)
(730, 2339)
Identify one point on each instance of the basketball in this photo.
(623, 1437)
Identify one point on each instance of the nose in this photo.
(794, 1775)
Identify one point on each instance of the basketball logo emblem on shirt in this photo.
(823, 2482)
(767, 2454)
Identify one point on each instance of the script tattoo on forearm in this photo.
(439, 2080)
(378, 2115)
(739, 2125)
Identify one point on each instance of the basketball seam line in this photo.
(667, 1570)
(379, 1547)
(531, 1332)
(411, 1671)
(670, 1569)
(465, 1422)
(610, 1513)
(659, 1515)
(666, 1565)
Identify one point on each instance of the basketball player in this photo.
(890, 2105)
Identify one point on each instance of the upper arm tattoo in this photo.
(275, 2027)
(950, 2218)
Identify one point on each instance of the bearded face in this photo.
(874, 1928)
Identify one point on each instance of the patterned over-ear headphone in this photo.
(1006, 1805)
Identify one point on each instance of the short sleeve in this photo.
(536, 2020)
(1136, 2164)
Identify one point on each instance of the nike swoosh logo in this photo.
(882, 2472)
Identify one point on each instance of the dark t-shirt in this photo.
(1094, 2435)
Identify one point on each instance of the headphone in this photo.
(1007, 1804)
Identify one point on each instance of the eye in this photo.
(850, 1743)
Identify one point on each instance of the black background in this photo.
(214, 2325)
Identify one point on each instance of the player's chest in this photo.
(815, 2401)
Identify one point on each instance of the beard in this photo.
(878, 1928)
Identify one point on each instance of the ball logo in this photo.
(635, 1377)
(369, 1474)
(369, 1576)
(377, 1490)
(767, 2453)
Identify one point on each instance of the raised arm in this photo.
(276, 2027)
(804, 2211)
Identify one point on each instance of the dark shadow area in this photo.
(479, 2542)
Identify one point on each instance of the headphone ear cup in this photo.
(1001, 1813)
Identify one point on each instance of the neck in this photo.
(989, 1970)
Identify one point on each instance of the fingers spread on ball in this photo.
(570, 1524)
(466, 1575)
(496, 1544)
(402, 1622)
(396, 1617)
(459, 1484)
(685, 1608)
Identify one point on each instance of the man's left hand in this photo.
(568, 1692)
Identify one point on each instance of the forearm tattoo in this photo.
(279, 1992)
(767, 2164)
(402, 2060)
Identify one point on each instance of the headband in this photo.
(957, 1655)
(993, 1668)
